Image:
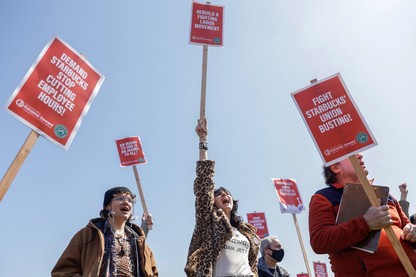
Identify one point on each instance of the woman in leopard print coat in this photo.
(215, 222)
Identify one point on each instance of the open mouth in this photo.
(226, 201)
(125, 209)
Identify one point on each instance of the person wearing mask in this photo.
(222, 244)
(272, 254)
(109, 245)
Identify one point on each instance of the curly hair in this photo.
(329, 175)
(235, 219)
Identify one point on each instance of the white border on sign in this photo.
(223, 26)
(140, 143)
(84, 111)
(356, 108)
(280, 200)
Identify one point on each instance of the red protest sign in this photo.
(258, 220)
(288, 194)
(56, 93)
(130, 151)
(320, 269)
(207, 24)
(333, 119)
(302, 275)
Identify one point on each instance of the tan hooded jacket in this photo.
(84, 253)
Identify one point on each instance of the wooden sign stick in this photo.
(203, 81)
(139, 187)
(17, 163)
(374, 202)
(305, 258)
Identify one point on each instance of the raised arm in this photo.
(403, 198)
(202, 131)
(204, 182)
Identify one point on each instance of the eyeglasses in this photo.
(125, 198)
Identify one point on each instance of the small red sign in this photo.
(56, 93)
(302, 275)
(288, 194)
(333, 119)
(258, 220)
(130, 151)
(207, 24)
(320, 269)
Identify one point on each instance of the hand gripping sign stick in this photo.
(17, 163)
(131, 153)
(389, 230)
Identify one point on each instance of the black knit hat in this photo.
(109, 194)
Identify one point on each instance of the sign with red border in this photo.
(130, 151)
(258, 220)
(320, 269)
(288, 194)
(207, 24)
(333, 119)
(56, 93)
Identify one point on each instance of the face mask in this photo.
(277, 254)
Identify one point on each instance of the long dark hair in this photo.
(235, 219)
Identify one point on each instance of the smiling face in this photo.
(223, 200)
(122, 206)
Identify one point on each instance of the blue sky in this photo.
(152, 90)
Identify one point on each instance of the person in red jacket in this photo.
(327, 237)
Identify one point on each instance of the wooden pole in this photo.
(17, 163)
(142, 200)
(305, 258)
(203, 81)
(389, 230)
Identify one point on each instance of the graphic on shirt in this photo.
(233, 258)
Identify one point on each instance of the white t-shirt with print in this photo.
(233, 258)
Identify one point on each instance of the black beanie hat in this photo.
(114, 191)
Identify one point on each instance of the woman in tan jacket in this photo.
(109, 245)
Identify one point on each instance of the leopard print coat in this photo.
(212, 228)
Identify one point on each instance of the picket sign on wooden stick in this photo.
(305, 258)
(17, 163)
(204, 81)
(141, 194)
(203, 154)
(375, 203)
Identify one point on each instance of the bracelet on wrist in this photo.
(203, 145)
